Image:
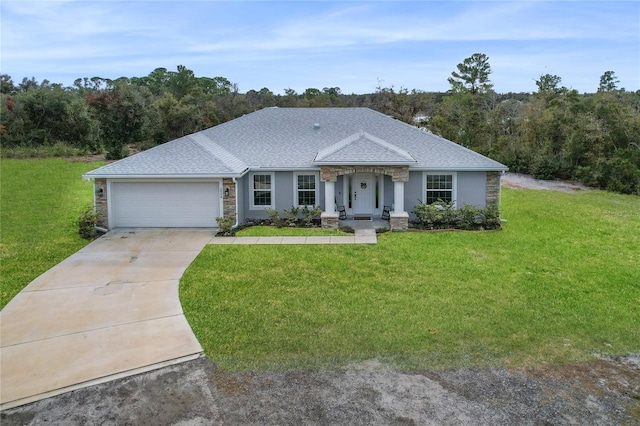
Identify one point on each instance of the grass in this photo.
(560, 283)
(272, 231)
(40, 203)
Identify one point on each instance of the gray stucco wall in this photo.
(472, 187)
(284, 195)
(413, 191)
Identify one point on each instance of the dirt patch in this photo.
(603, 392)
(521, 181)
(90, 158)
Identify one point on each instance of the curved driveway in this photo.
(110, 310)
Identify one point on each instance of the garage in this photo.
(167, 204)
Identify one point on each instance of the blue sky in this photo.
(354, 45)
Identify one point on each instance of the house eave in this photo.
(460, 169)
(165, 176)
(363, 163)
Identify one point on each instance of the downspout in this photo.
(235, 184)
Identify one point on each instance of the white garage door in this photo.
(165, 204)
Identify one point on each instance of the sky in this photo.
(354, 45)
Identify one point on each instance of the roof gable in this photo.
(363, 148)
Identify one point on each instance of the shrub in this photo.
(545, 166)
(438, 215)
(308, 214)
(292, 215)
(225, 224)
(618, 175)
(87, 222)
(275, 217)
(442, 215)
(470, 217)
(492, 216)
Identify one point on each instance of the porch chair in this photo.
(386, 213)
(342, 212)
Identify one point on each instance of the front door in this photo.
(363, 193)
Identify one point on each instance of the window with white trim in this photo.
(439, 187)
(261, 186)
(306, 189)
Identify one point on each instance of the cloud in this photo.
(411, 44)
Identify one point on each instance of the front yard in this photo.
(40, 201)
(560, 283)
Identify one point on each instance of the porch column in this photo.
(398, 197)
(329, 217)
(330, 197)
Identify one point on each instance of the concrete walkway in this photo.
(108, 311)
(361, 236)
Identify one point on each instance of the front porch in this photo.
(374, 223)
(372, 193)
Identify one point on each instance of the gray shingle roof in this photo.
(287, 138)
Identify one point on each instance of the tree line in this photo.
(554, 132)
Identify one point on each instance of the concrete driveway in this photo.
(108, 311)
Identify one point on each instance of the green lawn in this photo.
(560, 283)
(40, 200)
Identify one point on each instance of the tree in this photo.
(121, 113)
(290, 98)
(6, 85)
(472, 75)
(608, 82)
(182, 82)
(548, 83)
(403, 104)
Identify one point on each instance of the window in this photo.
(306, 193)
(439, 187)
(261, 190)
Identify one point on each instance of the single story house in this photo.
(352, 161)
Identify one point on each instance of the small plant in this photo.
(492, 216)
(347, 229)
(308, 214)
(87, 223)
(225, 225)
(292, 215)
(275, 217)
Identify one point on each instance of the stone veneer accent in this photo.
(228, 203)
(399, 222)
(329, 221)
(100, 190)
(397, 173)
(493, 188)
